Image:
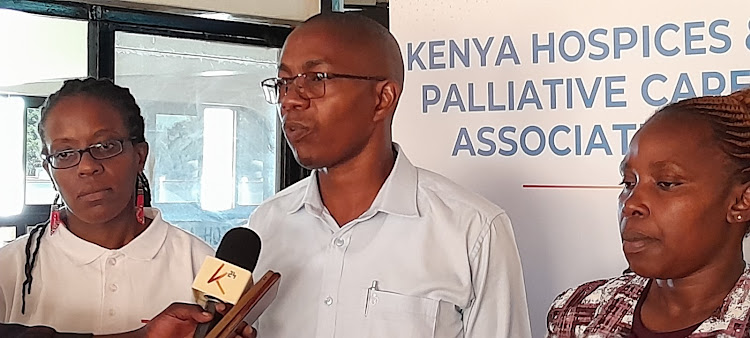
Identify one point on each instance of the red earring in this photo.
(54, 215)
(139, 215)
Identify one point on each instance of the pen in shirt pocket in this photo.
(372, 297)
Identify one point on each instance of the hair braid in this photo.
(38, 231)
(729, 117)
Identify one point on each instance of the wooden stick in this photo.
(249, 299)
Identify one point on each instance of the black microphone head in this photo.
(241, 247)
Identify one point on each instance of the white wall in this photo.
(295, 10)
(566, 230)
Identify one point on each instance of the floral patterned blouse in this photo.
(604, 308)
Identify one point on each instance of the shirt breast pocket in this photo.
(393, 315)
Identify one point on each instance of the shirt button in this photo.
(111, 312)
(113, 287)
(338, 242)
(112, 261)
(328, 301)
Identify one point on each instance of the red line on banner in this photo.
(553, 186)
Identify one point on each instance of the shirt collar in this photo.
(144, 247)
(397, 196)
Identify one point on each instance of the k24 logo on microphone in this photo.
(216, 278)
(222, 280)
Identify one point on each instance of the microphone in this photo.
(227, 276)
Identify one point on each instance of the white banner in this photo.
(532, 104)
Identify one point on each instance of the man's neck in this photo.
(349, 189)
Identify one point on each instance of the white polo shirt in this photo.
(81, 287)
(427, 259)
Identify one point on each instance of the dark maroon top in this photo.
(640, 331)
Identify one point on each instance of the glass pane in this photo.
(39, 188)
(217, 174)
(40, 52)
(212, 136)
(34, 63)
(7, 234)
(11, 167)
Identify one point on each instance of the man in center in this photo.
(370, 245)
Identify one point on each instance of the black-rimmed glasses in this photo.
(310, 85)
(70, 158)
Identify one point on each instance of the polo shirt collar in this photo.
(397, 196)
(144, 247)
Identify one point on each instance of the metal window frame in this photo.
(378, 12)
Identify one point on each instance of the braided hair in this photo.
(729, 117)
(123, 101)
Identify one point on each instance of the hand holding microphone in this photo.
(176, 321)
(226, 277)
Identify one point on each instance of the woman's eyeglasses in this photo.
(70, 158)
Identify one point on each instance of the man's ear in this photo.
(739, 211)
(388, 95)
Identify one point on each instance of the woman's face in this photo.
(95, 191)
(675, 200)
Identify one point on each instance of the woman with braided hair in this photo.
(684, 211)
(105, 260)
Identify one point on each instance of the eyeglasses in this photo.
(70, 158)
(309, 85)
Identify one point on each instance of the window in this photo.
(215, 150)
(11, 167)
(39, 189)
(212, 136)
(35, 61)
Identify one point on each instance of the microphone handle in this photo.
(203, 328)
